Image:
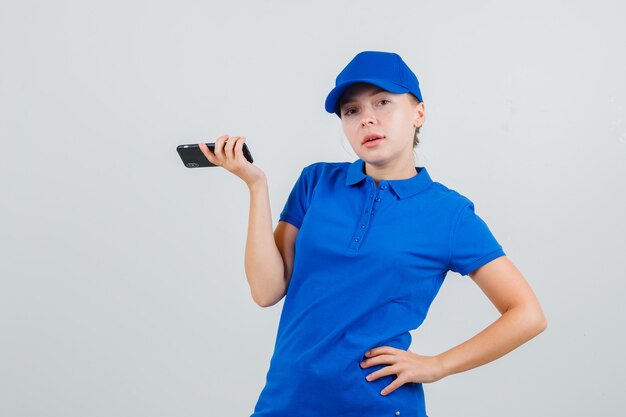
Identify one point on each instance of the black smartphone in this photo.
(193, 157)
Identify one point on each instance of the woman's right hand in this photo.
(229, 155)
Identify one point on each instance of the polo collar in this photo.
(403, 188)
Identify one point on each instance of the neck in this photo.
(392, 170)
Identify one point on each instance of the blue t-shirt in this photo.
(368, 263)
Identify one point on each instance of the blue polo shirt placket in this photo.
(368, 212)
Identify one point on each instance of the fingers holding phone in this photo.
(224, 153)
(217, 157)
(228, 151)
(229, 154)
(219, 150)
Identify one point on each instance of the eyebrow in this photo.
(349, 99)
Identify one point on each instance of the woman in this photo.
(375, 239)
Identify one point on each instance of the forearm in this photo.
(263, 263)
(515, 327)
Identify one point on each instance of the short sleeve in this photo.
(472, 244)
(298, 201)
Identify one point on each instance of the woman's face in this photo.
(367, 110)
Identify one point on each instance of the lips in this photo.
(372, 136)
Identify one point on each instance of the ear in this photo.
(419, 115)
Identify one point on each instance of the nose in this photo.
(367, 118)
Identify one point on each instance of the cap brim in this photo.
(333, 97)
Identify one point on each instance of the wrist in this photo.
(444, 366)
(260, 183)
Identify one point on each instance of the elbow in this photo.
(267, 297)
(531, 322)
(539, 322)
(260, 301)
(542, 323)
(263, 302)
(532, 318)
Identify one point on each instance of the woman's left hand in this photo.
(408, 366)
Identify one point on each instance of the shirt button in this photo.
(377, 198)
(397, 413)
(384, 187)
(362, 226)
(356, 239)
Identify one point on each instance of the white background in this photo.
(122, 286)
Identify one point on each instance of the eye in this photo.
(348, 112)
(384, 101)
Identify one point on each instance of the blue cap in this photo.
(383, 69)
